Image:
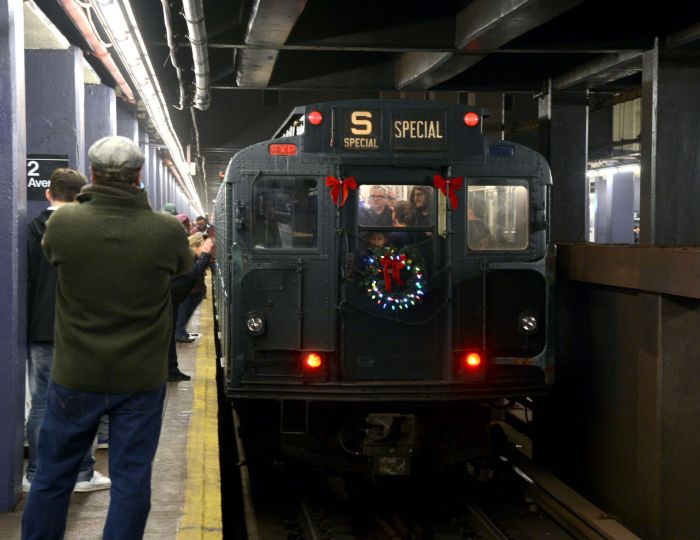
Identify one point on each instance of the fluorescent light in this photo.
(119, 23)
(609, 171)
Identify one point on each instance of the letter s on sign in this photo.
(362, 119)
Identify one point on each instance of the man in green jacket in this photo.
(115, 258)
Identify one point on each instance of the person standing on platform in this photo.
(115, 258)
(180, 288)
(41, 295)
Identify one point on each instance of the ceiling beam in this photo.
(397, 48)
(684, 37)
(269, 26)
(483, 24)
(608, 69)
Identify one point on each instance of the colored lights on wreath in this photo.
(395, 282)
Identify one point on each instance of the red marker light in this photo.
(315, 118)
(283, 149)
(472, 360)
(313, 361)
(471, 119)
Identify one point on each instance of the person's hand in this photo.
(207, 245)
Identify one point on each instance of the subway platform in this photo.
(186, 494)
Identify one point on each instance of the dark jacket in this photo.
(115, 259)
(369, 218)
(182, 285)
(41, 283)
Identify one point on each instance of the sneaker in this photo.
(184, 339)
(177, 376)
(26, 484)
(96, 483)
(102, 443)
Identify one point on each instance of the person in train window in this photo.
(402, 217)
(390, 198)
(376, 239)
(421, 200)
(113, 324)
(41, 294)
(266, 231)
(478, 234)
(378, 213)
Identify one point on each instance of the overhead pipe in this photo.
(173, 56)
(80, 20)
(197, 34)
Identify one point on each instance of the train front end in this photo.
(387, 276)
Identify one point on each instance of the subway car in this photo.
(384, 277)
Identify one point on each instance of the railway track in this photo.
(292, 501)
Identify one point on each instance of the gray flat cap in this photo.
(114, 154)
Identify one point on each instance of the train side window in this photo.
(497, 217)
(284, 213)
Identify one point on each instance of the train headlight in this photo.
(255, 323)
(528, 322)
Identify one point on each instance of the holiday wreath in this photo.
(394, 278)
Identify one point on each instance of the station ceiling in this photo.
(267, 56)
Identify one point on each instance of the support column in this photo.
(56, 117)
(13, 291)
(162, 183)
(143, 144)
(152, 187)
(670, 163)
(563, 129)
(100, 115)
(127, 123)
(622, 203)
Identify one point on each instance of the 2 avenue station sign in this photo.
(39, 169)
(409, 130)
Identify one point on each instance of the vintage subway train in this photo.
(384, 273)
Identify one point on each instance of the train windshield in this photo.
(396, 206)
(397, 215)
(284, 213)
(497, 217)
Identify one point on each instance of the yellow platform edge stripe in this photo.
(201, 515)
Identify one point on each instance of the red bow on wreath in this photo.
(392, 269)
(336, 184)
(449, 187)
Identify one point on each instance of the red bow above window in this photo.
(392, 269)
(449, 187)
(336, 184)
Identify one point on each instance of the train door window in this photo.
(284, 213)
(397, 215)
(497, 217)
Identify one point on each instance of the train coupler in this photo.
(391, 442)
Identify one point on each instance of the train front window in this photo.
(284, 213)
(397, 214)
(497, 217)
(396, 206)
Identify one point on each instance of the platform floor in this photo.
(186, 494)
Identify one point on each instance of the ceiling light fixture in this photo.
(609, 171)
(117, 19)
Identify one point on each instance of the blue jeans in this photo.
(40, 361)
(69, 427)
(185, 311)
